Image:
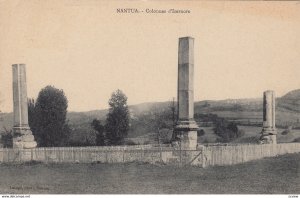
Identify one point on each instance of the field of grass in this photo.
(251, 135)
(278, 175)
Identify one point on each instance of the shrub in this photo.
(297, 139)
(285, 132)
(7, 139)
(200, 132)
(130, 142)
(48, 118)
(227, 131)
(146, 142)
(117, 120)
(100, 136)
(205, 141)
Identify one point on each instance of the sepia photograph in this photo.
(168, 97)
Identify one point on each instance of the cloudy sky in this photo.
(89, 50)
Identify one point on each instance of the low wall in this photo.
(204, 156)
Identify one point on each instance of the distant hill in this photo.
(82, 117)
(246, 110)
(290, 101)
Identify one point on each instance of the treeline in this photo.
(49, 124)
(226, 130)
(50, 127)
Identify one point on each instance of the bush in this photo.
(297, 139)
(205, 141)
(227, 131)
(285, 132)
(47, 118)
(100, 136)
(117, 120)
(200, 132)
(130, 142)
(7, 139)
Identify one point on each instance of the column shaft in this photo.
(269, 128)
(20, 96)
(186, 128)
(23, 137)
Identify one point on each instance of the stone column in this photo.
(186, 128)
(23, 137)
(269, 129)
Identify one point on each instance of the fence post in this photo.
(2, 154)
(203, 163)
(81, 154)
(73, 153)
(7, 151)
(106, 156)
(180, 160)
(123, 156)
(59, 155)
(46, 159)
(19, 157)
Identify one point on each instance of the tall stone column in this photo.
(186, 128)
(269, 129)
(23, 137)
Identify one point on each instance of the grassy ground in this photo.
(251, 135)
(279, 175)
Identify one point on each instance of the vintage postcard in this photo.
(149, 97)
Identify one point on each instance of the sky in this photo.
(89, 50)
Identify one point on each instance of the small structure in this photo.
(186, 127)
(22, 135)
(269, 129)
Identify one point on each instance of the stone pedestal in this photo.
(22, 134)
(186, 128)
(269, 131)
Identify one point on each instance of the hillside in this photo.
(290, 101)
(247, 111)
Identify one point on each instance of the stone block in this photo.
(27, 145)
(27, 138)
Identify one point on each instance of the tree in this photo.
(100, 137)
(228, 131)
(200, 132)
(160, 120)
(7, 138)
(50, 110)
(163, 123)
(31, 116)
(117, 121)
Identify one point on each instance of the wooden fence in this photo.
(204, 156)
(235, 154)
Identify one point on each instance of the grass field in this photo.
(279, 175)
(251, 135)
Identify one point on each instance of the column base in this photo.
(187, 140)
(23, 138)
(186, 134)
(268, 136)
(186, 125)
